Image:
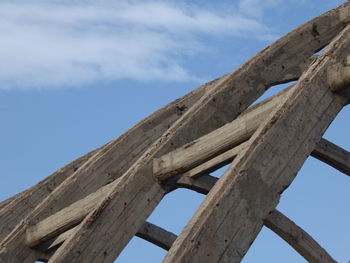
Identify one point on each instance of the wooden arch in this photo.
(90, 209)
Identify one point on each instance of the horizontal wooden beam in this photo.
(156, 235)
(73, 214)
(216, 163)
(208, 146)
(297, 238)
(205, 154)
(333, 155)
(149, 232)
(65, 218)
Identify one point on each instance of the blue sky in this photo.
(76, 74)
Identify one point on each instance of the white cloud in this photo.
(50, 44)
(256, 8)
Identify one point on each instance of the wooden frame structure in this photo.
(90, 209)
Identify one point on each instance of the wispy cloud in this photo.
(50, 44)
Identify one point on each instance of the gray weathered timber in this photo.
(297, 238)
(73, 214)
(109, 164)
(216, 163)
(338, 75)
(212, 144)
(251, 187)
(137, 193)
(65, 218)
(148, 231)
(156, 235)
(333, 155)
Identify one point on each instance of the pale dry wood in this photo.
(251, 187)
(297, 238)
(149, 232)
(333, 155)
(206, 147)
(65, 218)
(285, 73)
(73, 214)
(109, 164)
(221, 104)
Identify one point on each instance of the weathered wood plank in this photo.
(276, 221)
(73, 214)
(109, 164)
(251, 187)
(148, 231)
(333, 155)
(156, 235)
(297, 238)
(217, 162)
(279, 63)
(208, 146)
(137, 194)
(65, 218)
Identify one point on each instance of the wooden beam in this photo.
(297, 238)
(65, 218)
(110, 163)
(156, 235)
(333, 155)
(137, 194)
(210, 145)
(279, 63)
(149, 232)
(251, 187)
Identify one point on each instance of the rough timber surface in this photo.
(251, 188)
(138, 193)
(297, 238)
(223, 101)
(109, 163)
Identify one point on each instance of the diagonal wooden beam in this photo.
(148, 231)
(110, 163)
(137, 194)
(251, 188)
(74, 214)
(297, 238)
(333, 155)
(208, 146)
(281, 62)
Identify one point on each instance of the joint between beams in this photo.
(338, 76)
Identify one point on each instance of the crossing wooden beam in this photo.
(333, 155)
(251, 187)
(74, 214)
(217, 142)
(110, 163)
(297, 238)
(134, 197)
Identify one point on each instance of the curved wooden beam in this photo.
(333, 155)
(297, 238)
